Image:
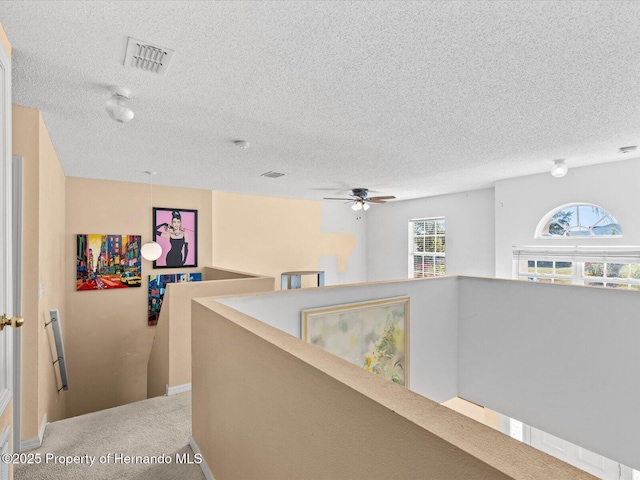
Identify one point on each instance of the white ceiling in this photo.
(407, 98)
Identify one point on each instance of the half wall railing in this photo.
(169, 366)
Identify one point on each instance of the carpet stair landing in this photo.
(147, 440)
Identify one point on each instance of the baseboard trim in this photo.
(35, 442)
(205, 468)
(185, 387)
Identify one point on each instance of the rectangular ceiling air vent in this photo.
(148, 57)
(272, 174)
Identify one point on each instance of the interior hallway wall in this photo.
(270, 235)
(470, 237)
(108, 338)
(43, 226)
(522, 202)
(51, 228)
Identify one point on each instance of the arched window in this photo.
(578, 220)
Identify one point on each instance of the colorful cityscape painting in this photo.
(107, 261)
(157, 287)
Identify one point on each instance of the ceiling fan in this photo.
(361, 199)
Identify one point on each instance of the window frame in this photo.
(548, 217)
(579, 256)
(413, 252)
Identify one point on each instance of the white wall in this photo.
(522, 202)
(561, 358)
(433, 328)
(484, 225)
(564, 359)
(470, 234)
(339, 218)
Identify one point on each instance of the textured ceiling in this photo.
(407, 98)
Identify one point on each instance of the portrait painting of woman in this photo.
(176, 230)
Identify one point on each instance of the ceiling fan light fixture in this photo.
(361, 199)
(559, 168)
(118, 105)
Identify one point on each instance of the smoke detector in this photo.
(146, 56)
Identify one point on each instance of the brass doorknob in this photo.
(14, 322)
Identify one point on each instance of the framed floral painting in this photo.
(372, 334)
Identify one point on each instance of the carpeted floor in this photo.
(154, 429)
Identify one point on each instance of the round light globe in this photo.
(119, 108)
(151, 251)
(559, 169)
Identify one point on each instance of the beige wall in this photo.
(477, 412)
(5, 41)
(170, 359)
(51, 238)
(108, 339)
(261, 412)
(42, 263)
(25, 144)
(158, 364)
(180, 332)
(269, 235)
(106, 334)
(212, 273)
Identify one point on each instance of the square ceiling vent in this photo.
(146, 56)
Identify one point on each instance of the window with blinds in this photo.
(427, 247)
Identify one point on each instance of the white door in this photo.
(6, 253)
(575, 455)
(582, 458)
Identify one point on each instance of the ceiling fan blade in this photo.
(375, 200)
(384, 197)
(331, 198)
